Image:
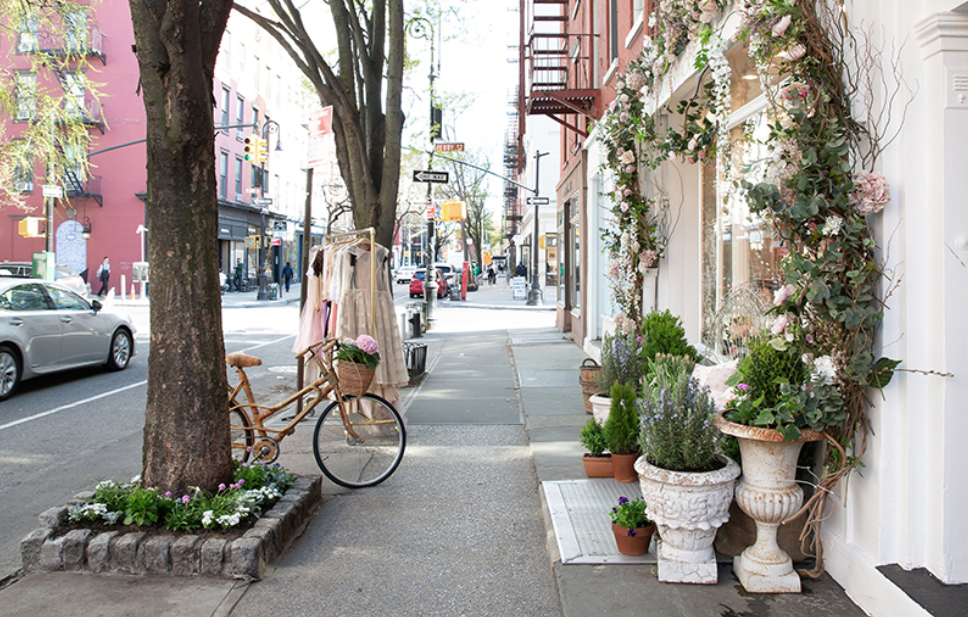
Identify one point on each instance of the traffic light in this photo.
(262, 152)
(251, 148)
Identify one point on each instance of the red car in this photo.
(416, 284)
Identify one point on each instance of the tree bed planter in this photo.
(598, 466)
(51, 547)
(769, 494)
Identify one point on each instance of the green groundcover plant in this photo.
(256, 487)
(630, 515)
(592, 436)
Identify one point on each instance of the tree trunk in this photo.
(186, 437)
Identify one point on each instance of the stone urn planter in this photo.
(769, 494)
(687, 508)
(601, 405)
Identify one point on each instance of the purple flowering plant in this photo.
(630, 515)
(364, 350)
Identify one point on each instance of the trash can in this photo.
(416, 357)
(272, 291)
(416, 318)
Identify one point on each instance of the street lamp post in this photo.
(422, 28)
(263, 261)
(534, 294)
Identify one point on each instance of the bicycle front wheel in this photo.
(367, 448)
(242, 434)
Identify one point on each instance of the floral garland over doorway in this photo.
(817, 188)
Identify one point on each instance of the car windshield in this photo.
(420, 275)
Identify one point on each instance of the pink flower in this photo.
(795, 53)
(625, 207)
(781, 294)
(871, 192)
(692, 144)
(628, 192)
(744, 387)
(690, 160)
(367, 343)
(781, 324)
(630, 169)
(781, 26)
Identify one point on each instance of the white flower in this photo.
(623, 117)
(832, 225)
(627, 157)
(623, 99)
(652, 20)
(823, 367)
(794, 53)
(692, 144)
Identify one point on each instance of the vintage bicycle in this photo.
(359, 439)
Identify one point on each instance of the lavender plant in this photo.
(677, 427)
(621, 361)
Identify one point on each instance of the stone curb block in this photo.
(189, 555)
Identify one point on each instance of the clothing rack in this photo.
(359, 232)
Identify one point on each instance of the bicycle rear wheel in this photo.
(242, 434)
(371, 459)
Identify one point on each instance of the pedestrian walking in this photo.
(222, 282)
(287, 275)
(104, 275)
(239, 269)
(491, 275)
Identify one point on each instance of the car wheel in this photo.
(120, 353)
(9, 372)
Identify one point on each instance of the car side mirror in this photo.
(96, 305)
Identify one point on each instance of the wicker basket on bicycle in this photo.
(354, 378)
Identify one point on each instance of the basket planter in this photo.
(687, 508)
(598, 466)
(354, 378)
(601, 406)
(637, 544)
(769, 494)
(588, 374)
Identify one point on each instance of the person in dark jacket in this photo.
(104, 275)
(521, 270)
(287, 275)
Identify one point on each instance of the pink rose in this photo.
(367, 343)
(781, 26)
(630, 169)
(780, 324)
(628, 192)
(625, 207)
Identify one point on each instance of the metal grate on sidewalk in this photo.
(579, 511)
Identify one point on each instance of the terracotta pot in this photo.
(601, 407)
(598, 466)
(633, 545)
(624, 467)
(687, 508)
(769, 494)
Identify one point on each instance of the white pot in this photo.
(768, 492)
(687, 508)
(601, 406)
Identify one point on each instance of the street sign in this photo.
(435, 177)
(53, 190)
(261, 201)
(431, 212)
(455, 147)
(538, 201)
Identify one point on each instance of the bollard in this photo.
(415, 329)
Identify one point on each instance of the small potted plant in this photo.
(686, 482)
(621, 432)
(597, 463)
(632, 528)
(621, 363)
(357, 364)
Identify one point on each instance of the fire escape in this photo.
(59, 49)
(558, 67)
(512, 170)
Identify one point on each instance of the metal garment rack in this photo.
(359, 232)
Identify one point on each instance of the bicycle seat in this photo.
(240, 360)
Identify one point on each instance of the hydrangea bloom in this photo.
(871, 192)
(367, 343)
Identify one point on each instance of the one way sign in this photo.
(437, 177)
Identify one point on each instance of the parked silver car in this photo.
(62, 274)
(45, 327)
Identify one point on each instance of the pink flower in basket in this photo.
(367, 343)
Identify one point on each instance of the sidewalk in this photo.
(464, 527)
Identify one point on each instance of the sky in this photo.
(473, 60)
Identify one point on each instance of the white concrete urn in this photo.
(769, 494)
(601, 407)
(687, 508)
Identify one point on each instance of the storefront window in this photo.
(574, 246)
(741, 257)
(564, 259)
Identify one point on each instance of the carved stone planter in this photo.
(601, 406)
(687, 508)
(768, 493)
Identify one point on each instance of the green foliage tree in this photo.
(622, 427)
